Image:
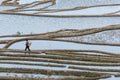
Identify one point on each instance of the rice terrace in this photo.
(70, 39)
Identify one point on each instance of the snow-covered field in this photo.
(82, 61)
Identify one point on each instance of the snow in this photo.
(112, 78)
(43, 45)
(30, 67)
(64, 4)
(10, 24)
(88, 11)
(5, 74)
(24, 1)
(29, 24)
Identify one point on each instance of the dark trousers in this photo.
(27, 47)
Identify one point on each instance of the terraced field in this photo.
(52, 8)
(65, 63)
(71, 40)
(59, 64)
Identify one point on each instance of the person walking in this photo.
(27, 45)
